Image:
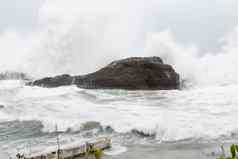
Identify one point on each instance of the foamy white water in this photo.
(199, 113)
(79, 37)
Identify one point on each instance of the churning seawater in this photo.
(28, 116)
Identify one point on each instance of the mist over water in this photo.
(80, 37)
(212, 68)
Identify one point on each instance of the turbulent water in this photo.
(79, 37)
(28, 116)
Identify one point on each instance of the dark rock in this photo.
(109, 129)
(136, 73)
(90, 125)
(61, 80)
(143, 134)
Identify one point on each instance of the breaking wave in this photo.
(78, 37)
(163, 115)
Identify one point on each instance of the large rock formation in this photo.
(136, 73)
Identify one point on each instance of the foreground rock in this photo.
(136, 73)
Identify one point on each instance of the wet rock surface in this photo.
(135, 73)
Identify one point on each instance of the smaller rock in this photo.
(143, 134)
(91, 125)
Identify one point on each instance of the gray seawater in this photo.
(186, 124)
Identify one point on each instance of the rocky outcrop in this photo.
(136, 73)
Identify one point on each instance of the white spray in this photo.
(81, 36)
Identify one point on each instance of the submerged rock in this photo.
(90, 125)
(136, 73)
(143, 134)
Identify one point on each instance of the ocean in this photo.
(193, 122)
(199, 39)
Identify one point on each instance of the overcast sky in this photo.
(201, 22)
(18, 14)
